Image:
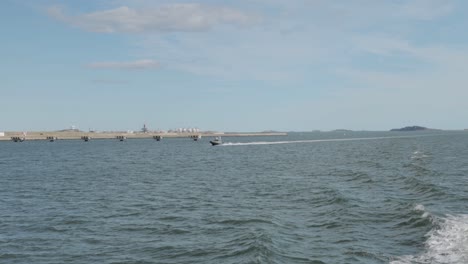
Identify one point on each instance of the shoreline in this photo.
(113, 135)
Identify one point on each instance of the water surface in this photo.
(304, 198)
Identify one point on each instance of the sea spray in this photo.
(446, 243)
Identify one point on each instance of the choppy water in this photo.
(402, 199)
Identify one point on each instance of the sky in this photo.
(233, 65)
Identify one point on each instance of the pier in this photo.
(158, 136)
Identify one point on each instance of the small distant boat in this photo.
(18, 139)
(52, 139)
(216, 141)
(86, 138)
(158, 138)
(195, 137)
(121, 138)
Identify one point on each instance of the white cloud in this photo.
(172, 17)
(255, 54)
(129, 65)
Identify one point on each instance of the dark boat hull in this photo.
(215, 143)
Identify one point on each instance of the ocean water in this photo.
(303, 198)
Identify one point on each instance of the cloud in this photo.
(254, 54)
(167, 18)
(129, 65)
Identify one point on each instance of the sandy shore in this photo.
(112, 135)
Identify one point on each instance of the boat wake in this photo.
(446, 242)
(312, 141)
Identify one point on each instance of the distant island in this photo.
(341, 130)
(410, 128)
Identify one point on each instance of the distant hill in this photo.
(341, 130)
(410, 128)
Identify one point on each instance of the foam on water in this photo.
(447, 242)
(421, 208)
(419, 155)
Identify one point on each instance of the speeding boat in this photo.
(216, 141)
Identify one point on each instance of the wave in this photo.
(419, 155)
(421, 208)
(446, 242)
(236, 222)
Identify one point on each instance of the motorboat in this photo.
(216, 141)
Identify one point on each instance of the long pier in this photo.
(118, 135)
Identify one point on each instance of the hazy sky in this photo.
(233, 65)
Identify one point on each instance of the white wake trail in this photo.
(315, 140)
(446, 243)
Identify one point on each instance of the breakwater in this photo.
(113, 135)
